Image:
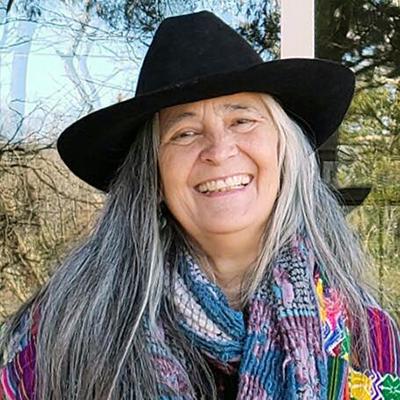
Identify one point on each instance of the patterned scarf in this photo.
(277, 342)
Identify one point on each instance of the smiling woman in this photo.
(222, 265)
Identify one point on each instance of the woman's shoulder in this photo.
(18, 357)
(20, 337)
(384, 341)
(382, 379)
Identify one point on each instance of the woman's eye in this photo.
(242, 122)
(185, 136)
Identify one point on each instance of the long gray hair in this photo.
(91, 342)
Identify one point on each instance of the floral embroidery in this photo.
(360, 386)
(390, 387)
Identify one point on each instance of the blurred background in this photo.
(61, 59)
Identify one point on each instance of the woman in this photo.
(221, 265)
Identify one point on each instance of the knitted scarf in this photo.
(277, 342)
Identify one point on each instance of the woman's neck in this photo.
(229, 261)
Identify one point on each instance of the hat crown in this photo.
(188, 47)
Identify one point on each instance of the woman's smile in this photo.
(225, 185)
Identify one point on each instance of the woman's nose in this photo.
(219, 149)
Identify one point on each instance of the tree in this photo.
(363, 34)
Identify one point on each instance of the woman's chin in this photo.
(226, 226)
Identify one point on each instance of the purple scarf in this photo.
(279, 347)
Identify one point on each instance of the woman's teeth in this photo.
(223, 185)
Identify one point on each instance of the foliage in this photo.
(369, 154)
(363, 34)
(43, 210)
(261, 28)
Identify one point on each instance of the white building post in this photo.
(297, 28)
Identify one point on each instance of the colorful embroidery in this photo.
(337, 373)
(334, 321)
(360, 386)
(370, 385)
(374, 386)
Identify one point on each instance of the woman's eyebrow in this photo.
(238, 106)
(177, 118)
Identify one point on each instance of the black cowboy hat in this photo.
(194, 57)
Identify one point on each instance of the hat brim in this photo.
(315, 92)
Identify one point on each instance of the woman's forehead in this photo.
(238, 101)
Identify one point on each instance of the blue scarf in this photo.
(278, 346)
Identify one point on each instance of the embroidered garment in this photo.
(291, 342)
(17, 376)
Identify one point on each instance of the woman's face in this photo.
(218, 163)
